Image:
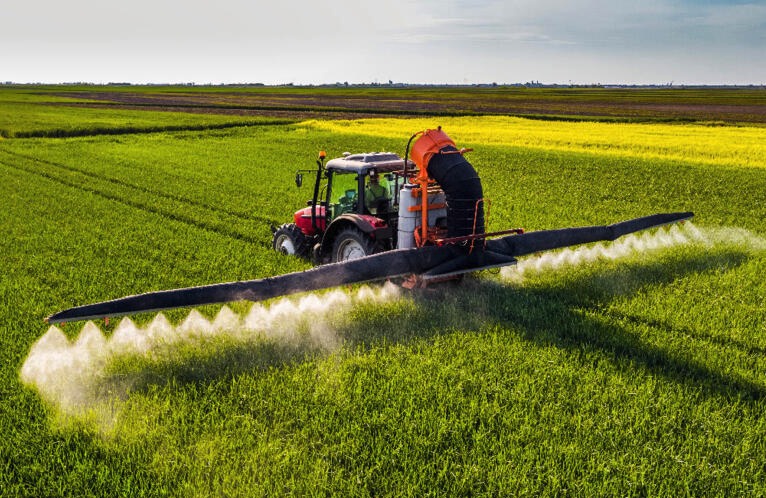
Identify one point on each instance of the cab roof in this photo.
(362, 163)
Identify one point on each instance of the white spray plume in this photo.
(634, 244)
(72, 376)
(736, 237)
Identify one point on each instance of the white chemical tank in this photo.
(410, 220)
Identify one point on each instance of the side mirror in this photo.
(298, 179)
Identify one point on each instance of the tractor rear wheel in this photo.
(352, 243)
(288, 239)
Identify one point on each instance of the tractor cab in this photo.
(364, 184)
(355, 197)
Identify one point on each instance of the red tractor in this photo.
(373, 202)
(353, 212)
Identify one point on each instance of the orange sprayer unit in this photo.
(429, 143)
(432, 143)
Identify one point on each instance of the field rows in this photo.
(641, 375)
(611, 104)
(60, 111)
(237, 225)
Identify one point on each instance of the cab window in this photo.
(343, 198)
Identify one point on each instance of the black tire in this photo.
(288, 239)
(352, 243)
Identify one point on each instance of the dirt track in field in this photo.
(347, 105)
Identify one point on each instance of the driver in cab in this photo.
(376, 196)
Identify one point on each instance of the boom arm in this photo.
(430, 261)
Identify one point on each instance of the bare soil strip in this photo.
(325, 105)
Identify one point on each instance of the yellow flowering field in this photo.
(730, 146)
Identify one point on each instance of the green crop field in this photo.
(636, 368)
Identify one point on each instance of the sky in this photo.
(403, 41)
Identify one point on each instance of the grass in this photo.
(639, 376)
(27, 113)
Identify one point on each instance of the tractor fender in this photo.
(372, 226)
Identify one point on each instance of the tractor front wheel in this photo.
(288, 239)
(350, 244)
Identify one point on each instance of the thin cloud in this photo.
(404, 40)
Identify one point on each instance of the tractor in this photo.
(373, 202)
(353, 212)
